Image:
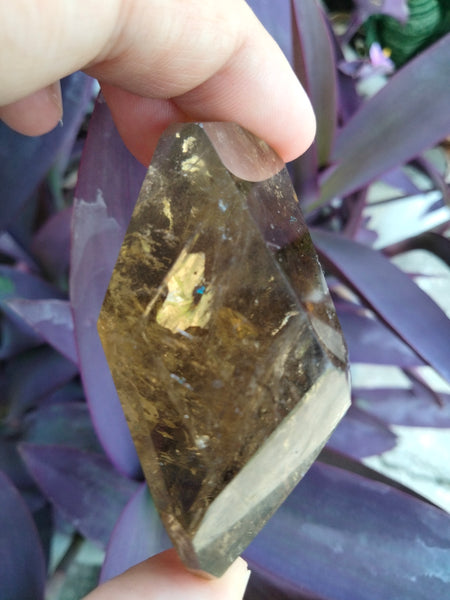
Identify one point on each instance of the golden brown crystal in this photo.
(223, 343)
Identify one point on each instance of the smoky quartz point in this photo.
(222, 339)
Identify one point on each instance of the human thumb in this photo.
(164, 576)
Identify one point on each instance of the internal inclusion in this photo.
(223, 343)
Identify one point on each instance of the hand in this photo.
(164, 576)
(158, 61)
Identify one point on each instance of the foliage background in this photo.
(73, 503)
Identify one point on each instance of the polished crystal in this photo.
(222, 340)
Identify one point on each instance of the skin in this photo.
(163, 577)
(158, 62)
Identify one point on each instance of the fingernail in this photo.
(242, 153)
(54, 94)
(242, 575)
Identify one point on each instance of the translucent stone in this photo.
(222, 340)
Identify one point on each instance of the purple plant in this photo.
(67, 462)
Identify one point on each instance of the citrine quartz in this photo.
(222, 340)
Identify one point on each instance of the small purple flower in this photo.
(379, 59)
(377, 63)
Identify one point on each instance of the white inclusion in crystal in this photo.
(185, 334)
(222, 205)
(291, 314)
(188, 144)
(181, 380)
(201, 441)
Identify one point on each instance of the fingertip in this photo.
(165, 576)
(239, 573)
(35, 114)
(298, 133)
(288, 123)
(181, 584)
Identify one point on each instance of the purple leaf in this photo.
(140, 523)
(51, 244)
(360, 434)
(397, 9)
(436, 176)
(342, 536)
(24, 161)
(314, 63)
(13, 467)
(15, 336)
(65, 424)
(108, 186)
(404, 118)
(33, 376)
(304, 176)
(19, 284)
(70, 392)
(84, 486)
(11, 464)
(335, 458)
(398, 178)
(392, 295)
(22, 564)
(416, 407)
(370, 341)
(52, 320)
(360, 232)
(348, 99)
(12, 249)
(436, 244)
(276, 18)
(263, 586)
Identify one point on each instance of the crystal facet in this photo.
(222, 340)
